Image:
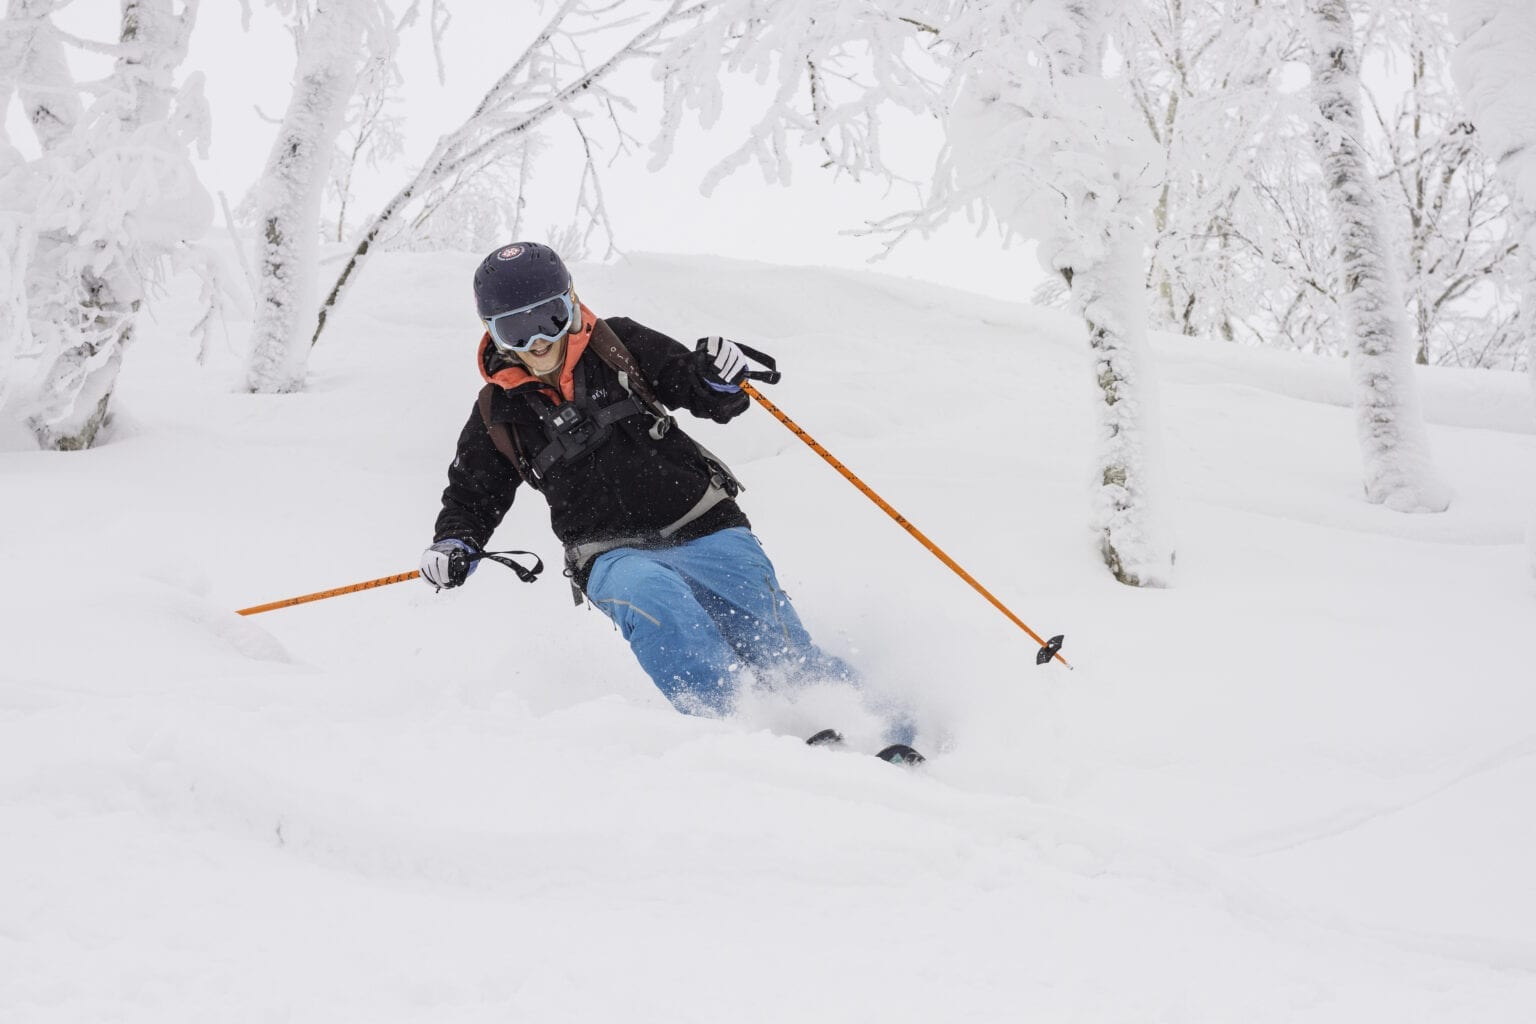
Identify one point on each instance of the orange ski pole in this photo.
(1048, 648)
(338, 592)
(525, 574)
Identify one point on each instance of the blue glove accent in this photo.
(469, 549)
(437, 562)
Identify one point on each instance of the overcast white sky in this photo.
(664, 211)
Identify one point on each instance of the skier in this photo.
(579, 409)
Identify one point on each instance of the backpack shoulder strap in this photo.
(501, 434)
(612, 351)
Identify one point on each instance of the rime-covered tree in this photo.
(1394, 442)
(88, 225)
(331, 37)
(1205, 77)
(1443, 202)
(1051, 145)
(1034, 134)
(1236, 252)
(373, 132)
(1495, 69)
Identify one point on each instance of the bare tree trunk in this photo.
(293, 186)
(1394, 443)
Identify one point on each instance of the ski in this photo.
(896, 753)
(900, 753)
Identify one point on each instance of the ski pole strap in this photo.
(505, 558)
(768, 376)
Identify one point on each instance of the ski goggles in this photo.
(518, 330)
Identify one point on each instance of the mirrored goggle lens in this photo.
(521, 329)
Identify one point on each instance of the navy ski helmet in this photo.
(518, 275)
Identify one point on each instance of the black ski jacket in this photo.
(630, 484)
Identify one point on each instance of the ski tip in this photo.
(825, 738)
(900, 753)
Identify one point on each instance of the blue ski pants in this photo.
(695, 614)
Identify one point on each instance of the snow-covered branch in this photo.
(544, 82)
(834, 68)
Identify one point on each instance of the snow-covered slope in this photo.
(1293, 788)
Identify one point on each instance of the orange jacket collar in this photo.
(512, 377)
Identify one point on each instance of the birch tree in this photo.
(1394, 443)
(330, 42)
(1495, 70)
(90, 224)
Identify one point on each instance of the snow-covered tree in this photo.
(1235, 248)
(1394, 442)
(1035, 135)
(1447, 210)
(1205, 76)
(552, 77)
(331, 36)
(89, 224)
(373, 132)
(1495, 70)
(1057, 153)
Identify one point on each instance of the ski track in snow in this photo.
(1273, 792)
(1347, 819)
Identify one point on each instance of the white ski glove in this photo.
(447, 563)
(722, 363)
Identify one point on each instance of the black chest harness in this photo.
(581, 426)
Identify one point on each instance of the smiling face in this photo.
(545, 357)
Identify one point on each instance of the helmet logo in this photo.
(511, 252)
